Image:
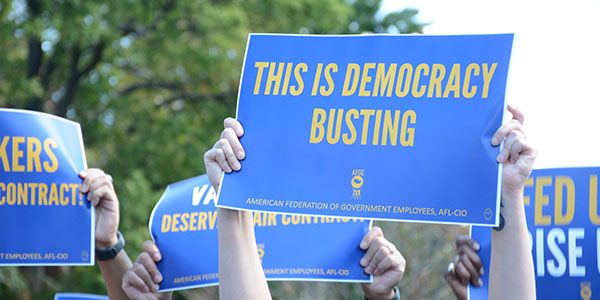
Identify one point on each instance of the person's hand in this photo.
(226, 153)
(465, 267)
(101, 193)
(141, 281)
(384, 262)
(517, 155)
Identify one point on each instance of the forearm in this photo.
(240, 271)
(112, 271)
(511, 271)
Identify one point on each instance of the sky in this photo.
(554, 73)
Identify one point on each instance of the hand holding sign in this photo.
(101, 193)
(384, 261)
(226, 154)
(465, 267)
(517, 155)
(141, 281)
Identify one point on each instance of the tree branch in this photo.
(34, 57)
(151, 85)
(196, 97)
(97, 50)
(136, 30)
(75, 74)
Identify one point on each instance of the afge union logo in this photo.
(586, 291)
(357, 182)
(261, 251)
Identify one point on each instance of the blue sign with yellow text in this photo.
(78, 296)
(184, 227)
(44, 219)
(388, 127)
(563, 219)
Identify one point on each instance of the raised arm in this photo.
(240, 272)
(141, 281)
(385, 263)
(100, 192)
(511, 270)
(466, 266)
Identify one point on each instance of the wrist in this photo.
(110, 252)
(391, 295)
(107, 243)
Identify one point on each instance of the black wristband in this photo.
(502, 222)
(111, 252)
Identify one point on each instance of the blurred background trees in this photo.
(150, 82)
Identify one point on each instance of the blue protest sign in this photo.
(483, 236)
(44, 220)
(78, 296)
(183, 225)
(563, 219)
(389, 127)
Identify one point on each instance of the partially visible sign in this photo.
(292, 247)
(563, 219)
(78, 296)
(483, 236)
(44, 218)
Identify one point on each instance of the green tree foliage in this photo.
(150, 82)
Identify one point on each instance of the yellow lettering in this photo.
(350, 137)
(560, 183)
(274, 78)
(487, 78)
(403, 81)
(17, 153)
(541, 200)
(34, 149)
(300, 68)
(166, 223)
(4, 153)
(366, 78)
(351, 80)
(419, 90)
(184, 222)
(317, 129)
(330, 68)
(384, 80)
(390, 129)
(212, 219)
(315, 87)
(528, 183)
(471, 69)
(53, 195)
(453, 83)
(261, 67)
(438, 71)
(366, 113)
(594, 215)
(407, 136)
(333, 135)
(3, 198)
(22, 192)
(194, 221)
(50, 144)
(376, 128)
